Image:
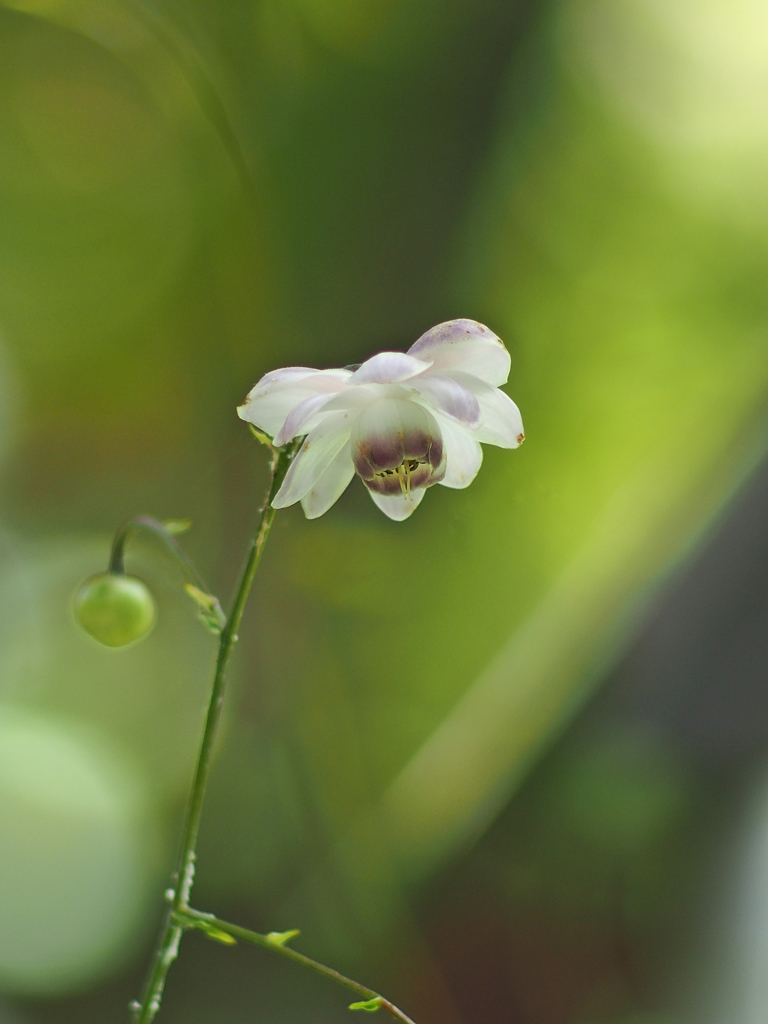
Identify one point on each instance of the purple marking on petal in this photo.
(389, 368)
(452, 331)
(416, 445)
(391, 432)
(450, 396)
(378, 452)
(438, 473)
(384, 484)
(464, 345)
(390, 483)
(424, 447)
(436, 454)
(362, 465)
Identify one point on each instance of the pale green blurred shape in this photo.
(149, 697)
(95, 744)
(91, 166)
(692, 76)
(622, 794)
(645, 402)
(73, 870)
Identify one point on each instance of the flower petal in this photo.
(272, 399)
(448, 395)
(463, 454)
(398, 506)
(391, 430)
(500, 420)
(389, 368)
(302, 418)
(331, 485)
(316, 454)
(355, 400)
(464, 345)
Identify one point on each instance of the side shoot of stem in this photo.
(277, 943)
(180, 916)
(183, 876)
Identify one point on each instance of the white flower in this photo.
(401, 421)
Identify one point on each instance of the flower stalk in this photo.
(208, 607)
(180, 916)
(400, 421)
(165, 533)
(183, 876)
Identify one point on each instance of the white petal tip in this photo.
(465, 345)
(276, 503)
(398, 506)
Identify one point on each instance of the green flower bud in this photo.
(115, 609)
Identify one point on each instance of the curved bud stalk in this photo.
(180, 916)
(117, 609)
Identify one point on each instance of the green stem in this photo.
(159, 530)
(183, 877)
(187, 917)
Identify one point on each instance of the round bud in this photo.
(115, 609)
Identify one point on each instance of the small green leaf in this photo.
(219, 936)
(205, 926)
(177, 526)
(261, 437)
(208, 608)
(281, 938)
(370, 1005)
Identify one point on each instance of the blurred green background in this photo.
(193, 194)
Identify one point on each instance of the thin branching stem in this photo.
(187, 917)
(180, 916)
(183, 877)
(164, 535)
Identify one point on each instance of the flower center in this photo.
(397, 447)
(402, 473)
